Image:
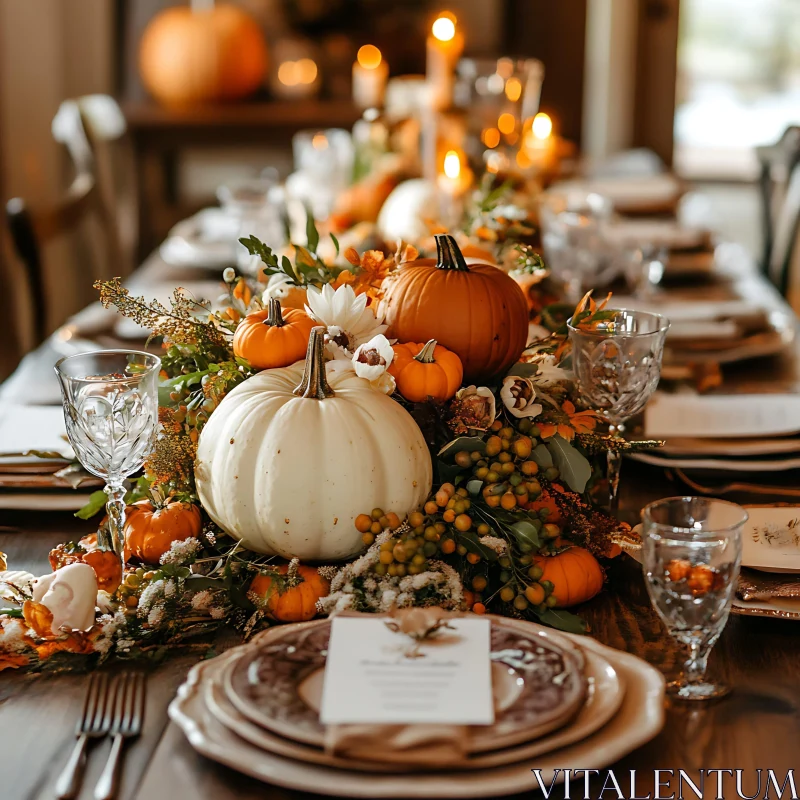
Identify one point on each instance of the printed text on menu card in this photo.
(369, 677)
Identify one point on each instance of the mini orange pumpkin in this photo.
(150, 532)
(296, 603)
(475, 310)
(575, 574)
(270, 339)
(425, 370)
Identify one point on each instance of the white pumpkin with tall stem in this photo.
(286, 468)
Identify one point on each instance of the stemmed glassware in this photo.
(111, 414)
(617, 364)
(692, 549)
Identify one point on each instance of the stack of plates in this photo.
(561, 701)
(28, 481)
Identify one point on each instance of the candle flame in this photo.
(319, 141)
(542, 126)
(444, 27)
(452, 165)
(369, 56)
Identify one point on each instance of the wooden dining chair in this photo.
(784, 261)
(33, 228)
(777, 167)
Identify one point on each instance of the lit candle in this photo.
(453, 185)
(539, 144)
(297, 78)
(444, 47)
(370, 73)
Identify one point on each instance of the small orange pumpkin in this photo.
(426, 370)
(296, 603)
(575, 574)
(475, 310)
(150, 532)
(270, 339)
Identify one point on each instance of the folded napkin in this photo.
(25, 428)
(435, 745)
(754, 585)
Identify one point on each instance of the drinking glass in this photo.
(111, 414)
(574, 242)
(692, 549)
(617, 366)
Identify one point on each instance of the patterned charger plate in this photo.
(540, 684)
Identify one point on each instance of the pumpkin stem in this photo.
(315, 382)
(448, 253)
(274, 318)
(425, 356)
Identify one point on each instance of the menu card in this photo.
(372, 674)
(728, 416)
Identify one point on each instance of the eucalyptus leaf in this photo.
(468, 443)
(541, 455)
(526, 532)
(97, 502)
(447, 473)
(523, 370)
(572, 465)
(312, 234)
(474, 487)
(335, 243)
(563, 621)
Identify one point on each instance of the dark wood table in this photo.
(757, 726)
(161, 134)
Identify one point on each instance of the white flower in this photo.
(518, 396)
(479, 400)
(202, 600)
(373, 358)
(354, 322)
(549, 373)
(12, 635)
(155, 616)
(70, 593)
(229, 275)
(278, 286)
(217, 612)
(181, 552)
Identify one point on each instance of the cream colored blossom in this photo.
(70, 594)
(373, 358)
(480, 403)
(519, 396)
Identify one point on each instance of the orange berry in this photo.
(529, 468)
(493, 500)
(368, 539)
(508, 501)
(449, 515)
(394, 520)
(478, 608)
(469, 598)
(463, 522)
(415, 519)
(375, 527)
(535, 594)
(496, 425)
(363, 523)
(448, 546)
(442, 498)
(523, 446)
(431, 507)
(448, 489)
(386, 557)
(479, 583)
(473, 558)
(678, 569)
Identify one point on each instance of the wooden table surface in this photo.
(757, 726)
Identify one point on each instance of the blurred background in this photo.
(171, 111)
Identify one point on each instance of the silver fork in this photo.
(94, 722)
(127, 723)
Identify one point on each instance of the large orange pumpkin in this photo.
(269, 339)
(150, 531)
(475, 310)
(575, 574)
(425, 370)
(189, 56)
(296, 603)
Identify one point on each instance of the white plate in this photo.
(771, 539)
(718, 464)
(207, 239)
(730, 447)
(639, 719)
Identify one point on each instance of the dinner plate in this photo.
(639, 719)
(730, 447)
(270, 685)
(718, 464)
(604, 697)
(207, 239)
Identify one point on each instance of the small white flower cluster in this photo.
(355, 586)
(204, 603)
(500, 546)
(13, 635)
(112, 627)
(182, 552)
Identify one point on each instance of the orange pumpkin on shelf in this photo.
(271, 338)
(575, 574)
(426, 370)
(150, 531)
(295, 603)
(191, 55)
(475, 310)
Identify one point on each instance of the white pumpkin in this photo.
(287, 468)
(403, 215)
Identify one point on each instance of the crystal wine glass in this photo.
(692, 549)
(617, 365)
(111, 414)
